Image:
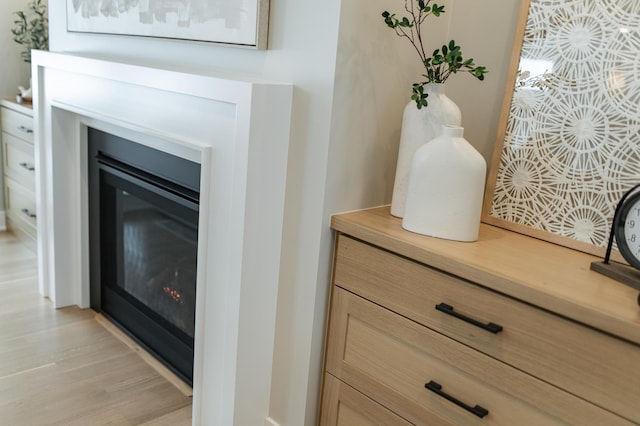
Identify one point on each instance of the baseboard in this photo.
(270, 422)
(3, 221)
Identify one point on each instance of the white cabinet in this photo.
(18, 169)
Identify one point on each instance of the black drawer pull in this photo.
(26, 212)
(448, 309)
(27, 166)
(437, 388)
(25, 129)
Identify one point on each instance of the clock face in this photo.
(627, 230)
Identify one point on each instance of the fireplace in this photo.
(143, 231)
(237, 130)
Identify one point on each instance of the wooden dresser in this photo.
(18, 168)
(508, 330)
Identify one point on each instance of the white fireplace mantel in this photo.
(238, 130)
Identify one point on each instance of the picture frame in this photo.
(240, 23)
(568, 144)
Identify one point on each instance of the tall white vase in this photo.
(446, 188)
(418, 127)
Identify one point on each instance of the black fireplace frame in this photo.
(170, 180)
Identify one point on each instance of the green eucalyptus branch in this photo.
(31, 28)
(443, 62)
(410, 26)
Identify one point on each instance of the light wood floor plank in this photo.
(62, 367)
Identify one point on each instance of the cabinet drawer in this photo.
(391, 359)
(17, 124)
(600, 368)
(344, 406)
(18, 160)
(21, 205)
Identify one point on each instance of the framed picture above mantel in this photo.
(569, 135)
(241, 23)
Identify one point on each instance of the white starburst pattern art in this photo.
(572, 139)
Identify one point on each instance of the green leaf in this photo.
(443, 62)
(418, 95)
(437, 10)
(390, 20)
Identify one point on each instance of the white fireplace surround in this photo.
(238, 130)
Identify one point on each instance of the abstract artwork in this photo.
(236, 22)
(569, 146)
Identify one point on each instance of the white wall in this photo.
(352, 78)
(372, 84)
(485, 30)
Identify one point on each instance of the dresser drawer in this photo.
(17, 124)
(344, 406)
(18, 160)
(545, 345)
(392, 359)
(21, 206)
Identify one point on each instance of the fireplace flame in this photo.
(172, 292)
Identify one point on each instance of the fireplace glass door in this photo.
(155, 256)
(148, 242)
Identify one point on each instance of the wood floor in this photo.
(61, 367)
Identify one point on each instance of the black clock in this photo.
(626, 228)
(626, 231)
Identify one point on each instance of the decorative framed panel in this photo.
(569, 141)
(232, 22)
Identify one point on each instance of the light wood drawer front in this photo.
(20, 205)
(17, 124)
(344, 406)
(391, 359)
(585, 362)
(18, 160)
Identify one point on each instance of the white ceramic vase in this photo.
(418, 127)
(446, 188)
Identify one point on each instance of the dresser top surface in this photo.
(543, 274)
(25, 107)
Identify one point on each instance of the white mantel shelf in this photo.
(238, 130)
